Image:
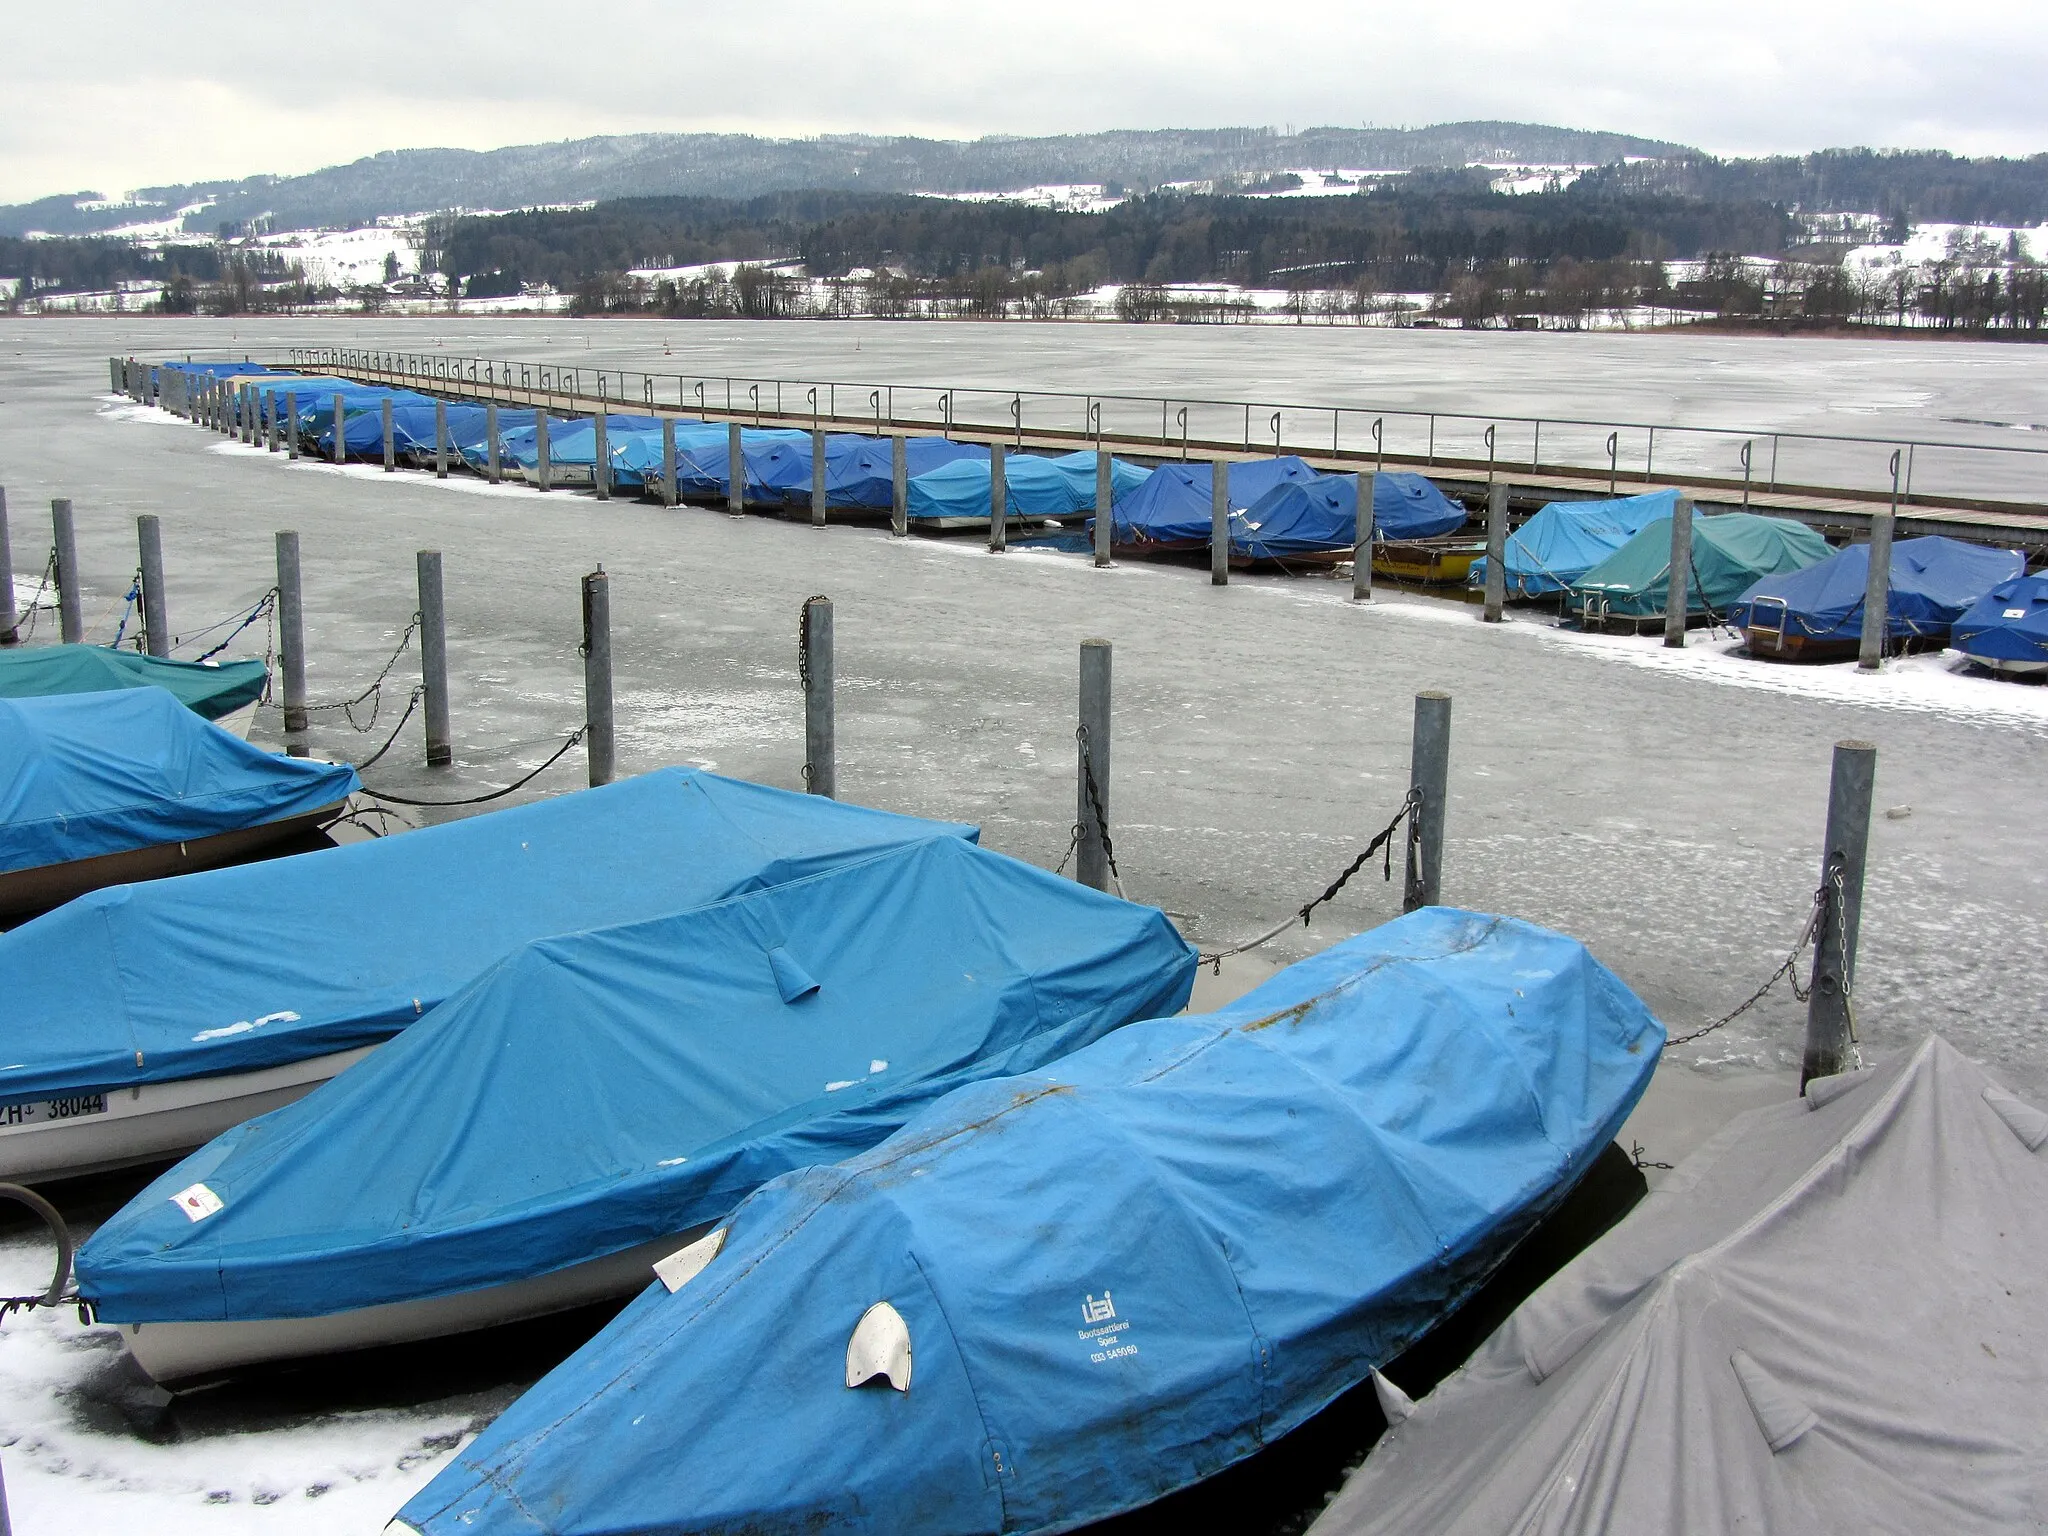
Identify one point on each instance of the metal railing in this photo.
(1616, 454)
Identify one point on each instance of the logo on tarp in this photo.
(197, 1202)
(1093, 1311)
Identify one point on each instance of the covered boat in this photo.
(862, 479)
(1056, 1296)
(176, 1009)
(207, 688)
(1816, 614)
(1730, 554)
(474, 444)
(679, 1063)
(1172, 509)
(958, 494)
(1566, 539)
(1833, 1317)
(362, 423)
(1301, 521)
(129, 784)
(2007, 628)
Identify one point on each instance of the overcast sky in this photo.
(110, 94)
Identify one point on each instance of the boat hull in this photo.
(187, 1354)
(1427, 562)
(2009, 667)
(63, 1138)
(24, 891)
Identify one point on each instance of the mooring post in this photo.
(291, 632)
(70, 611)
(434, 659)
(601, 455)
(1105, 506)
(1361, 539)
(1091, 777)
(1219, 524)
(1830, 1020)
(899, 485)
(291, 424)
(597, 675)
(8, 636)
(249, 438)
(272, 432)
(815, 671)
(1877, 590)
(1429, 776)
(113, 376)
(668, 461)
(1678, 596)
(340, 431)
(543, 446)
(231, 407)
(156, 618)
(817, 477)
(998, 499)
(390, 439)
(494, 460)
(1496, 552)
(735, 471)
(440, 439)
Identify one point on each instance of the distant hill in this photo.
(741, 166)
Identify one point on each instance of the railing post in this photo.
(998, 501)
(1219, 524)
(440, 439)
(156, 618)
(1091, 787)
(899, 485)
(434, 659)
(1429, 776)
(1496, 551)
(1105, 506)
(8, 633)
(291, 631)
(494, 458)
(1877, 590)
(390, 439)
(817, 477)
(668, 461)
(735, 470)
(601, 452)
(70, 610)
(1362, 538)
(1830, 1022)
(597, 676)
(815, 673)
(1678, 595)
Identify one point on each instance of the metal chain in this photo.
(375, 692)
(560, 752)
(35, 604)
(411, 704)
(803, 666)
(1831, 886)
(1101, 816)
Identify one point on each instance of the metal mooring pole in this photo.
(390, 439)
(1877, 591)
(998, 500)
(70, 610)
(601, 456)
(1678, 595)
(340, 431)
(1361, 538)
(815, 672)
(1105, 506)
(434, 659)
(899, 485)
(494, 451)
(668, 461)
(1496, 552)
(1091, 787)
(735, 470)
(1830, 1016)
(1429, 774)
(156, 617)
(817, 477)
(8, 634)
(543, 443)
(440, 439)
(291, 631)
(1219, 524)
(291, 416)
(597, 675)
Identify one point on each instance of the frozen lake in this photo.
(1665, 808)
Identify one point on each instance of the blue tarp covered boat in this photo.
(475, 444)
(89, 782)
(862, 478)
(679, 1062)
(1300, 519)
(1171, 508)
(1817, 613)
(1054, 1297)
(959, 493)
(2007, 628)
(363, 427)
(291, 962)
(210, 689)
(1566, 539)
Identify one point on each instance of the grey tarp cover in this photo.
(1859, 1278)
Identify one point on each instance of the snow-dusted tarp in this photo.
(2008, 623)
(1933, 580)
(1833, 1317)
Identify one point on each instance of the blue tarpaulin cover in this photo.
(1300, 517)
(1117, 1275)
(1172, 506)
(677, 1063)
(1932, 581)
(1033, 486)
(861, 478)
(234, 969)
(1568, 538)
(2008, 623)
(85, 774)
(207, 688)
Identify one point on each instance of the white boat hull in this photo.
(187, 1353)
(2010, 667)
(66, 1137)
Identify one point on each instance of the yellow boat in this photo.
(1440, 562)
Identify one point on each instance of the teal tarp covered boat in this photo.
(207, 688)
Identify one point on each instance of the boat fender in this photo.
(687, 1263)
(879, 1349)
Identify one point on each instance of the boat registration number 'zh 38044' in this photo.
(45, 1111)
